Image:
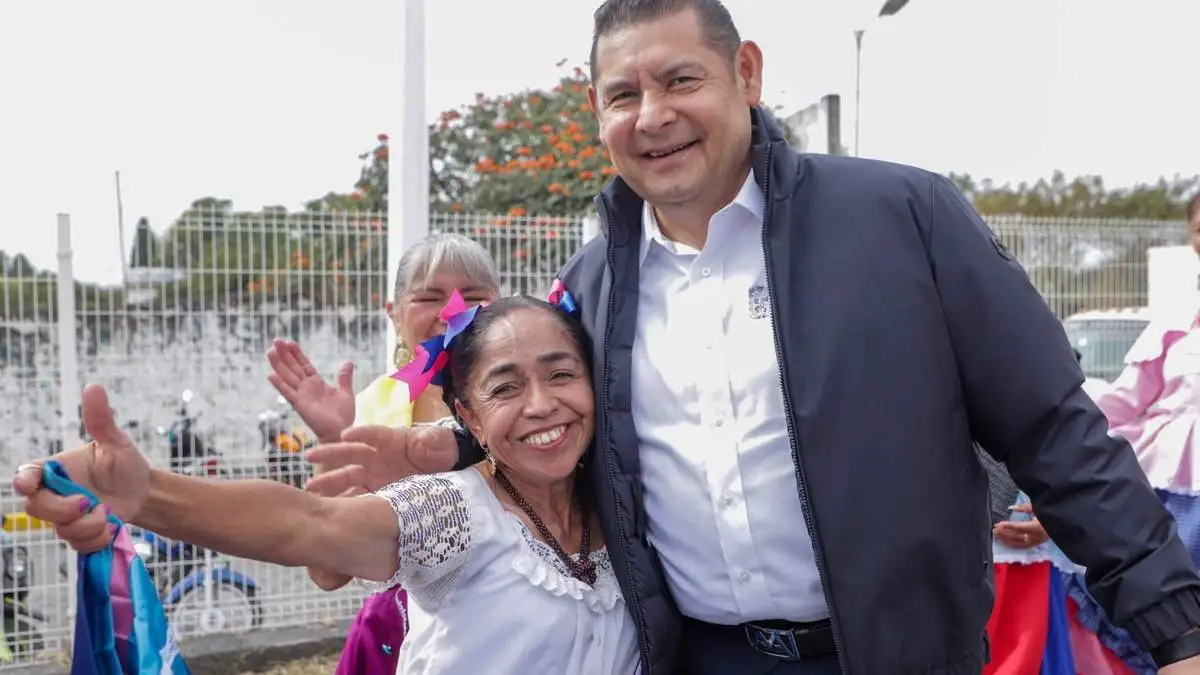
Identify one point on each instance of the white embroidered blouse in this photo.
(501, 601)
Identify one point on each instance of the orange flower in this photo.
(609, 170)
(564, 147)
(587, 151)
(456, 208)
(586, 175)
(551, 234)
(585, 107)
(521, 254)
(524, 150)
(573, 163)
(499, 220)
(579, 138)
(526, 124)
(518, 212)
(557, 188)
(547, 129)
(535, 100)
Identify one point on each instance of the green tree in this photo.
(1081, 197)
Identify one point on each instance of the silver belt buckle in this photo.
(780, 644)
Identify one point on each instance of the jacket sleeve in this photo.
(1022, 391)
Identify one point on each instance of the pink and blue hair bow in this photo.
(431, 356)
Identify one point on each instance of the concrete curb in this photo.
(248, 652)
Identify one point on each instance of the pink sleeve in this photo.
(1138, 386)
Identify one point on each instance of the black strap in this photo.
(1183, 647)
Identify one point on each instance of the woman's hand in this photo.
(1024, 534)
(111, 467)
(326, 409)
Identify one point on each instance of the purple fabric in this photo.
(373, 643)
(122, 603)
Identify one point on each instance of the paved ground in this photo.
(315, 666)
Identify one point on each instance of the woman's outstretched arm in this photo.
(273, 522)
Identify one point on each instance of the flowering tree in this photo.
(535, 151)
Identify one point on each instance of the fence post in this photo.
(69, 389)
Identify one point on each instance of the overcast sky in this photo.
(269, 101)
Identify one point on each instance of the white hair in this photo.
(440, 252)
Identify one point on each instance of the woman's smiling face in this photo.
(529, 395)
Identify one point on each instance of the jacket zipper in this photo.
(787, 406)
(635, 600)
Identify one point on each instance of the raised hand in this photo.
(371, 457)
(327, 409)
(110, 466)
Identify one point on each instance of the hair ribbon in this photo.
(431, 357)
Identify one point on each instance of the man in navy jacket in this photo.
(793, 357)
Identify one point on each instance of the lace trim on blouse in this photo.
(435, 534)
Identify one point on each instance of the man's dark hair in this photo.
(720, 34)
(464, 352)
(1193, 207)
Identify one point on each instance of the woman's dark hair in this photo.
(464, 353)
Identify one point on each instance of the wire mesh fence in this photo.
(180, 345)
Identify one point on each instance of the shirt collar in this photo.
(749, 199)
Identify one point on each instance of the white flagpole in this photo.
(408, 179)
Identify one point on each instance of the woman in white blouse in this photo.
(508, 556)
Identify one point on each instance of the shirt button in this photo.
(744, 577)
(726, 499)
(720, 421)
(706, 272)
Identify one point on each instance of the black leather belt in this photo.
(792, 641)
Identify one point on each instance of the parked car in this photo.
(1103, 338)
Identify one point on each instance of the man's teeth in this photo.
(664, 153)
(545, 437)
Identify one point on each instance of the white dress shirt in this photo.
(721, 492)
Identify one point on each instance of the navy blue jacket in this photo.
(904, 331)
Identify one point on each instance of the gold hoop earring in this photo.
(402, 355)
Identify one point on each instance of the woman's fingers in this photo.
(87, 533)
(52, 508)
(294, 358)
(281, 367)
(28, 478)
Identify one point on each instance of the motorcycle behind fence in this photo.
(188, 451)
(285, 443)
(21, 626)
(199, 591)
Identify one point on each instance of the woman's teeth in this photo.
(545, 437)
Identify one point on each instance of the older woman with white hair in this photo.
(428, 273)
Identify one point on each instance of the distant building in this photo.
(818, 127)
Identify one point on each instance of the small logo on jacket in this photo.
(760, 302)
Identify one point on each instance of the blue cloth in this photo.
(1058, 659)
(150, 647)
